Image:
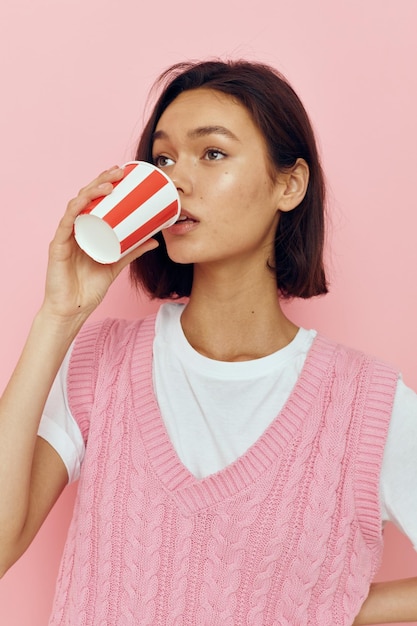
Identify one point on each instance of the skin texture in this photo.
(208, 144)
(389, 602)
(223, 179)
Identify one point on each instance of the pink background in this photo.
(75, 76)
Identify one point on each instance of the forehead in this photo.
(205, 107)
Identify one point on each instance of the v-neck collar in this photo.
(191, 493)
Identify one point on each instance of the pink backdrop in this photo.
(75, 76)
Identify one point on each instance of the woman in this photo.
(233, 466)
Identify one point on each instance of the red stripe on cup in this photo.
(153, 224)
(127, 169)
(92, 205)
(139, 195)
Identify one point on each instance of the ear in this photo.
(292, 186)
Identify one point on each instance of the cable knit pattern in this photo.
(288, 534)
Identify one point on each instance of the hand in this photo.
(389, 602)
(75, 283)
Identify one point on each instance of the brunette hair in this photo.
(280, 116)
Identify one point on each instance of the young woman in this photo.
(233, 468)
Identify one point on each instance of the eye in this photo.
(214, 154)
(162, 161)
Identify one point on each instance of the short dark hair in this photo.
(280, 116)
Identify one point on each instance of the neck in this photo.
(236, 319)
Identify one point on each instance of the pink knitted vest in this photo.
(290, 533)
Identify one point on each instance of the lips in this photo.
(186, 223)
(184, 217)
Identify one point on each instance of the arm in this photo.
(390, 602)
(31, 473)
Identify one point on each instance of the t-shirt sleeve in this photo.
(399, 467)
(59, 428)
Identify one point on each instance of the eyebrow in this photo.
(201, 131)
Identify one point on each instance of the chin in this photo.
(180, 254)
(181, 259)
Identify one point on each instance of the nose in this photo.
(181, 177)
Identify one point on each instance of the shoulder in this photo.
(372, 380)
(101, 351)
(97, 339)
(349, 357)
(105, 343)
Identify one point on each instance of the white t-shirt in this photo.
(215, 410)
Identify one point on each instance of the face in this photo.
(216, 156)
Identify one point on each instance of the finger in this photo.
(112, 175)
(76, 206)
(100, 187)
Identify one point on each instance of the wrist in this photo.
(58, 328)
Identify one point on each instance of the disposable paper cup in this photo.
(144, 202)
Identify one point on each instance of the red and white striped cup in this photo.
(144, 202)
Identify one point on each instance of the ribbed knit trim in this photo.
(379, 393)
(82, 371)
(191, 493)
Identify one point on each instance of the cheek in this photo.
(231, 189)
(235, 192)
